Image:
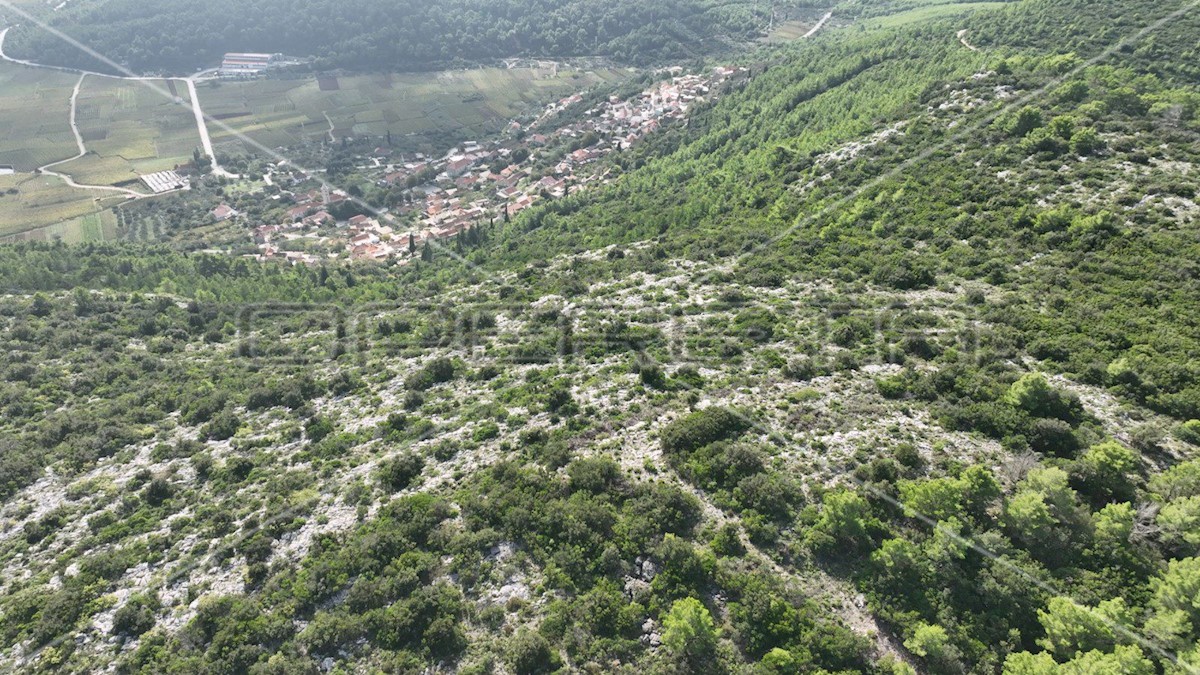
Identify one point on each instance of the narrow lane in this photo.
(962, 37)
(819, 26)
(46, 170)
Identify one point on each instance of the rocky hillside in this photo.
(887, 362)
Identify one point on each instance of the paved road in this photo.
(202, 126)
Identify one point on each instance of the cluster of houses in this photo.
(304, 221)
(465, 189)
(621, 123)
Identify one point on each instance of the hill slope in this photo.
(176, 35)
(887, 361)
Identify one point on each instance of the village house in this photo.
(297, 213)
(223, 212)
(550, 184)
(364, 238)
(458, 164)
(319, 218)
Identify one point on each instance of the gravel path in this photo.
(46, 170)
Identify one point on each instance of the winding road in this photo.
(962, 37)
(819, 26)
(45, 170)
(197, 110)
(330, 132)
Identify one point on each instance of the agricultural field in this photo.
(930, 12)
(795, 28)
(35, 109)
(35, 106)
(417, 108)
(44, 208)
(131, 129)
(788, 31)
(93, 227)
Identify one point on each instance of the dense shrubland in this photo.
(966, 389)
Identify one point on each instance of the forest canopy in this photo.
(178, 36)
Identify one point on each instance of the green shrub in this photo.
(202, 408)
(893, 386)
(237, 469)
(328, 632)
(222, 427)
(317, 428)
(433, 373)
(399, 473)
(135, 617)
(652, 376)
(702, 428)
(485, 432)
(393, 426)
(728, 542)
(902, 272)
(1033, 394)
(596, 475)
(158, 491)
(802, 369)
(756, 325)
(1022, 122)
(413, 400)
(530, 654)
(1086, 142)
(1189, 432)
